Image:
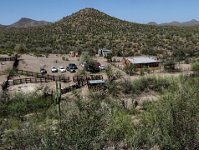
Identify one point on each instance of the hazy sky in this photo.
(142, 11)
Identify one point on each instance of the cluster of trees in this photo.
(89, 30)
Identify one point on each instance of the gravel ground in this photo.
(32, 63)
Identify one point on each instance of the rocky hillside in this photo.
(1, 25)
(90, 29)
(26, 22)
(190, 23)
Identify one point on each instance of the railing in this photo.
(47, 77)
(70, 88)
(13, 58)
(83, 80)
(26, 80)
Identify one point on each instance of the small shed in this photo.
(96, 84)
(104, 52)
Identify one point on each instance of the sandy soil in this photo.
(3, 78)
(185, 69)
(32, 87)
(32, 63)
(146, 97)
(5, 66)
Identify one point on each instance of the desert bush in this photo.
(81, 72)
(130, 69)
(65, 58)
(172, 123)
(21, 105)
(99, 121)
(120, 128)
(195, 66)
(157, 84)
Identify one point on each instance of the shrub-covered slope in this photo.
(90, 29)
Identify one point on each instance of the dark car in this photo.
(71, 68)
(43, 71)
(92, 67)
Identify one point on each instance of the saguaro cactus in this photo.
(57, 102)
(58, 99)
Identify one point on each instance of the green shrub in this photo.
(172, 123)
(21, 105)
(65, 58)
(195, 66)
(150, 83)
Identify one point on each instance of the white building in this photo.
(104, 52)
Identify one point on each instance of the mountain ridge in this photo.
(89, 29)
(190, 23)
(1, 25)
(27, 22)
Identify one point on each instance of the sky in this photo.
(140, 11)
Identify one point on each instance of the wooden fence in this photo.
(47, 77)
(26, 80)
(70, 88)
(39, 78)
(83, 80)
(14, 58)
(89, 77)
(63, 91)
(99, 87)
(80, 80)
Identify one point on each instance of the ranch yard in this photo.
(34, 64)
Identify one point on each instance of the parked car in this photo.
(92, 67)
(62, 69)
(71, 68)
(74, 66)
(54, 69)
(43, 71)
(102, 67)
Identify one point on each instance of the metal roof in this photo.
(105, 50)
(143, 59)
(96, 81)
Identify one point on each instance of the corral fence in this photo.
(88, 77)
(94, 82)
(38, 78)
(47, 77)
(70, 88)
(26, 80)
(63, 91)
(13, 58)
(80, 81)
(83, 80)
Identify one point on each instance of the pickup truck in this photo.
(71, 68)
